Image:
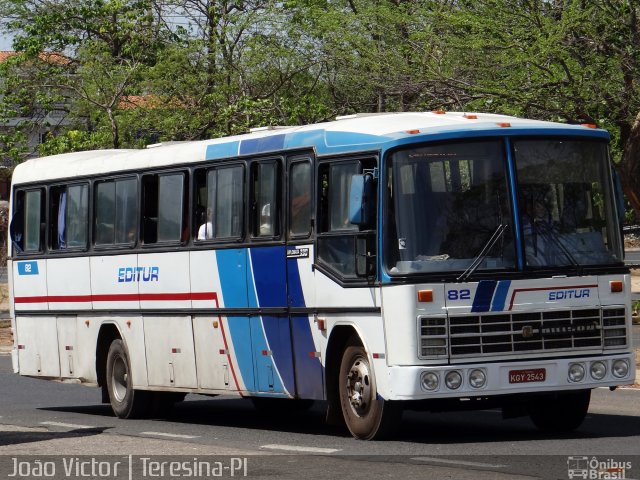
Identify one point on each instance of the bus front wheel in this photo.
(125, 401)
(366, 416)
(559, 413)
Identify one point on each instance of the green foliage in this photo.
(74, 141)
(132, 76)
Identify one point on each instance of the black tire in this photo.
(366, 416)
(125, 401)
(559, 413)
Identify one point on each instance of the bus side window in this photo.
(300, 199)
(27, 232)
(265, 204)
(336, 241)
(69, 209)
(116, 212)
(219, 203)
(163, 217)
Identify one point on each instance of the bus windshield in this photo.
(447, 203)
(566, 203)
(449, 209)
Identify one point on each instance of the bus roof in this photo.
(347, 134)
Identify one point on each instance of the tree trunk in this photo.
(630, 167)
(114, 129)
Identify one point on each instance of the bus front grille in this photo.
(521, 333)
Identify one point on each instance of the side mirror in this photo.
(361, 200)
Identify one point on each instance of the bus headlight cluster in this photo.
(429, 381)
(477, 378)
(576, 372)
(453, 380)
(620, 368)
(598, 370)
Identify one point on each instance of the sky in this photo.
(5, 43)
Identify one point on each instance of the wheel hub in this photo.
(359, 387)
(120, 377)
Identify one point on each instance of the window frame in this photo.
(94, 220)
(51, 216)
(254, 210)
(19, 206)
(186, 207)
(292, 163)
(197, 171)
(365, 161)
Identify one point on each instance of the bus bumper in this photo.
(503, 378)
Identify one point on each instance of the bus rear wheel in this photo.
(559, 413)
(125, 401)
(366, 416)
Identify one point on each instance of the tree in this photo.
(566, 60)
(106, 43)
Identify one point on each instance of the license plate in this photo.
(526, 376)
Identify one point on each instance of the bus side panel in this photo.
(132, 330)
(37, 339)
(163, 280)
(69, 283)
(368, 326)
(270, 334)
(67, 345)
(232, 271)
(30, 285)
(170, 351)
(212, 361)
(114, 284)
(308, 341)
(210, 333)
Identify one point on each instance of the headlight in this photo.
(477, 378)
(576, 372)
(620, 368)
(429, 381)
(453, 380)
(598, 370)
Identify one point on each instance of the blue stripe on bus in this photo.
(232, 268)
(305, 139)
(484, 294)
(309, 371)
(269, 276)
(500, 297)
(263, 144)
(334, 138)
(222, 150)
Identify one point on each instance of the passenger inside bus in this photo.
(205, 232)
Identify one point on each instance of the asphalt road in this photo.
(632, 256)
(47, 418)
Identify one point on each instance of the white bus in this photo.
(377, 262)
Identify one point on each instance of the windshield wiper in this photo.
(497, 235)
